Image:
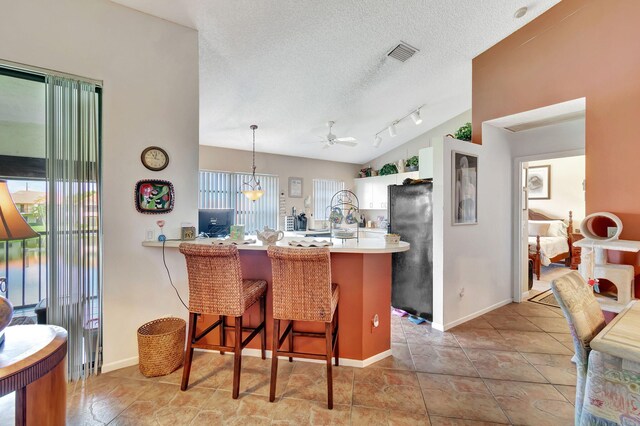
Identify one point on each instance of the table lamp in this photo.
(12, 227)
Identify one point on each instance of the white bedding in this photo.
(549, 247)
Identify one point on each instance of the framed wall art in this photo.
(465, 188)
(154, 196)
(539, 183)
(295, 187)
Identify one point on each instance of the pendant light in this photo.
(255, 190)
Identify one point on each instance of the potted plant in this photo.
(388, 169)
(464, 133)
(366, 172)
(412, 164)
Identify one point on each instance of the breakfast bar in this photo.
(362, 269)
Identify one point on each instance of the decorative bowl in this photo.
(6, 313)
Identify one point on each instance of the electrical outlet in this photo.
(150, 235)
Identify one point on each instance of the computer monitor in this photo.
(215, 222)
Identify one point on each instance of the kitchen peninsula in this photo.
(363, 271)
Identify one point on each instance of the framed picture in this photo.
(538, 182)
(154, 196)
(295, 187)
(465, 188)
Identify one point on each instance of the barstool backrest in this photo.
(215, 279)
(301, 283)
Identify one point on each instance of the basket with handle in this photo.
(161, 346)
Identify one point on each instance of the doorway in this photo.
(555, 208)
(537, 137)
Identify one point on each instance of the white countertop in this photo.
(363, 246)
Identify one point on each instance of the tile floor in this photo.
(511, 366)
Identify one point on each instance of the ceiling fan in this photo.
(331, 139)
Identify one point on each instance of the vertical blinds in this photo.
(223, 190)
(323, 190)
(74, 220)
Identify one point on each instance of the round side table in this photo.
(32, 364)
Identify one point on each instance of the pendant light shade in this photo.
(254, 190)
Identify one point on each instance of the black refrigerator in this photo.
(411, 216)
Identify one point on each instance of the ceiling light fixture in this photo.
(255, 191)
(521, 12)
(392, 130)
(415, 116)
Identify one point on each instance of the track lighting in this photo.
(392, 130)
(415, 116)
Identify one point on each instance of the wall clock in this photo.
(154, 158)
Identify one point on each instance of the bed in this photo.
(549, 240)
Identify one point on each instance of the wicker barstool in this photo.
(216, 287)
(302, 291)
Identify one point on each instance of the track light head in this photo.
(377, 141)
(415, 116)
(392, 130)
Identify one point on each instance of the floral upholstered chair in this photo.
(612, 391)
(582, 311)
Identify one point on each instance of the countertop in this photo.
(364, 246)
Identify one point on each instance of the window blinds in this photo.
(323, 190)
(223, 190)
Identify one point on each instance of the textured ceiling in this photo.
(291, 65)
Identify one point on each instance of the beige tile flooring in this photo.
(512, 365)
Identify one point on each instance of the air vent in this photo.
(402, 52)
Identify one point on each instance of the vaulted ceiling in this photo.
(290, 66)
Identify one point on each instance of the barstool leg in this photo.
(291, 341)
(274, 360)
(263, 322)
(223, 333)
(336, 329)
(193, 318)
(237, 358)
(328, 336)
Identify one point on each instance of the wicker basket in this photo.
(161, 346)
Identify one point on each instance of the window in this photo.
(223, 190)
(323, 190)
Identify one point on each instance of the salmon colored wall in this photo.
(578, 48)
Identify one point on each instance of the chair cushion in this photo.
(252, 290)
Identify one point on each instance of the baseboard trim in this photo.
(347, 362)
(476, 314)
(526, 295)
(117, 365)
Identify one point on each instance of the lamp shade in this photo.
(253, 194)
(12, 224)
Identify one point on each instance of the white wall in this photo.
(233, 160)
(411, 148)
(476, 258)
(549, 141)
(566, 192)
(150, 96)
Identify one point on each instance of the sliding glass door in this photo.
(50, 133)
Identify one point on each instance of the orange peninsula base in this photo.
(365, 291)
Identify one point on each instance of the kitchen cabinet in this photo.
(372, 191)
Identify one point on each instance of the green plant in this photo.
(464, 133)
(388, 169)
(413, 161)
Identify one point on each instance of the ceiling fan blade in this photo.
(346, 143)
(347, 139)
